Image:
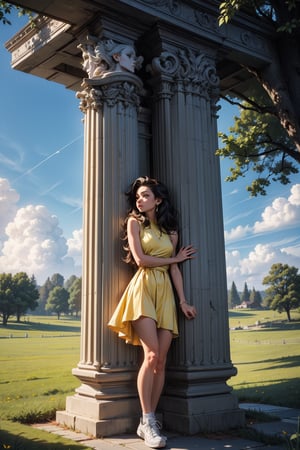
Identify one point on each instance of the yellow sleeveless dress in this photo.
(150, 292)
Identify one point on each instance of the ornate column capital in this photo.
(188, 71)
(116, 88)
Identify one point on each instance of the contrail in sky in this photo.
(47, 158)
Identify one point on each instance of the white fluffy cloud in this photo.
(256, 265)
(8, 204)
(75, 247)
(294, 199)
(33, 241)
(251, 267)
(237, 233)
(283, 212)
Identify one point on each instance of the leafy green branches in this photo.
(228, 9)
(258, 143)
(6, 9)
(284, 15)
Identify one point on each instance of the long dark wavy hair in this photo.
(166, 214)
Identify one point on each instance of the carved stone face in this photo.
(126, 59)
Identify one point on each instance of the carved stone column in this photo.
(196, 396)
(106, 403)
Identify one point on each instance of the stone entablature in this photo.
(196, 22)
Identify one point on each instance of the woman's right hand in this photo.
(185, 253)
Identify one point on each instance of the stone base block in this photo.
(97, 428)
(100, 418)
(202, 414)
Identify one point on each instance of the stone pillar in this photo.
(106, 402)
(185, 86)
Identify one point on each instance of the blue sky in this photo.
(41, 165)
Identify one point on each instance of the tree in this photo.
(7, 8)
(58, 301)
(18, 293)
(7, 307)
(233, 298)
(57, 280)
(257, 142)
(68, 283)
(75, 296)
(44, 292)
(245, 294)
(255, 299)
(25, 294)
(284, 291)
(280, 81)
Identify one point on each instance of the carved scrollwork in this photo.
(167, 64)
(196, 71)
(205, 20)
(251, 40)
(172, 5)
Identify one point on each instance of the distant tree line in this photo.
(59, 296)
(20, 294)
(282, 295)
(247, 298)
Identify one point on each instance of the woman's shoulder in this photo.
(133, 223)
(132, 219)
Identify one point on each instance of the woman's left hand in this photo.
(188, 310)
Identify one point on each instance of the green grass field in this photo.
(267, 357)
(36, 370)
(37, 357)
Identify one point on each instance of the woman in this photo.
(146, 313)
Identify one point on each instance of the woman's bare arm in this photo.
(188, 310)
(143, 260)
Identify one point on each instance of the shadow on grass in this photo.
(282, 363)
(285, 362)
(34, 442)
(237, 314)
(281, 325)
(37, 326)
(278, 392)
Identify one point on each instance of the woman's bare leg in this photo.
(151, 377)
(164, 342)
(147, 332)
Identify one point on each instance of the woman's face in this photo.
(126, 59)
(145, 200)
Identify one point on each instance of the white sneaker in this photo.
(157, 426)
(151, 435)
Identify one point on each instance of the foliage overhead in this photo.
(269, 10)
(257, 142)
(6, 9)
